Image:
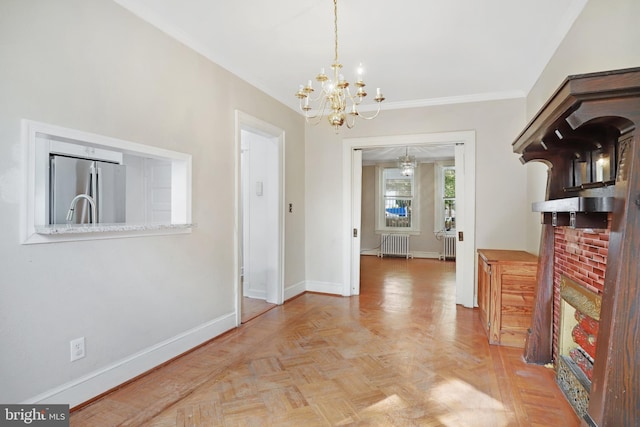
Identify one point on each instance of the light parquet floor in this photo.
(253, 307)
(400, 354)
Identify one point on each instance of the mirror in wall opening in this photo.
(83, 183)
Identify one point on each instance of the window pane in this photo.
(397, 212)
(450, 182)
(449, 214)
(397, 185)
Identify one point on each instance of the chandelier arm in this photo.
(354, 99)
(370, 117)
(351, 125)
(311, 121)
(307, 115)
(321, 95)
(319, 115)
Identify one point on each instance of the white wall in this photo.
(500, 178)
(606, 36)
(93, 66)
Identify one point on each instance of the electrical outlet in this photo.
(77, 349)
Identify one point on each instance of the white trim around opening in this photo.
(465, 282)
(244, 121)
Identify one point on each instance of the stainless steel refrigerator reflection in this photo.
(77, 184)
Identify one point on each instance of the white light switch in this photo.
(259, 188)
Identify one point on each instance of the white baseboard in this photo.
(325, 287)
(255, 293)
(108, 377)
(418, 254)
(432, 255)
(294, 290)
(369, 252)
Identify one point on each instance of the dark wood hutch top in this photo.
(593, 117)
(567, 99)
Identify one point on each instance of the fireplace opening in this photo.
(578, 334)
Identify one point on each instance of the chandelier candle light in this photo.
(335, 94)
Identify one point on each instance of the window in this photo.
(445, 200)
(397, 200)
(157, 186)
(449, 197)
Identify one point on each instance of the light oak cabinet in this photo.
(506, 287)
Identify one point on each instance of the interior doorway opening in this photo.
(260, 217)
(464, 143)
(409, 213)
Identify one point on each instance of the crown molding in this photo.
(447, 100)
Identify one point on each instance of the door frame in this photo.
(356, 218)
(244, 121)
(465, 289)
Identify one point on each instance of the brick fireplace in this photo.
(588, 134)
(581, 256)
(580, 259)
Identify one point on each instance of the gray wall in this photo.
(93, 66)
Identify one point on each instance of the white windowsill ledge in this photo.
(77, 232)
(105, 228)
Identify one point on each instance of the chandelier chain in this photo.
(335, 28)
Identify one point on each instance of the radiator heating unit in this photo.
(394, 244)
(448, 247)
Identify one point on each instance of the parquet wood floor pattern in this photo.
(400, 354)
(253, 307)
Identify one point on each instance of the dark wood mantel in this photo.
(591, 117)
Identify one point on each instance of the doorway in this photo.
(260, 217)
(465, 227)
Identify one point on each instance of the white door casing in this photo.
(275, 291)
(356, 218)
(463, 296)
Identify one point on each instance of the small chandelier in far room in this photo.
(334, 93)
(406, 163)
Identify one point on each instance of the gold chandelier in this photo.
(334, 94)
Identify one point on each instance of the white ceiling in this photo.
(420, 52)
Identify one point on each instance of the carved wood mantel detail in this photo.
(591, 117)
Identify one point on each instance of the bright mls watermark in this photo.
(34, 415)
